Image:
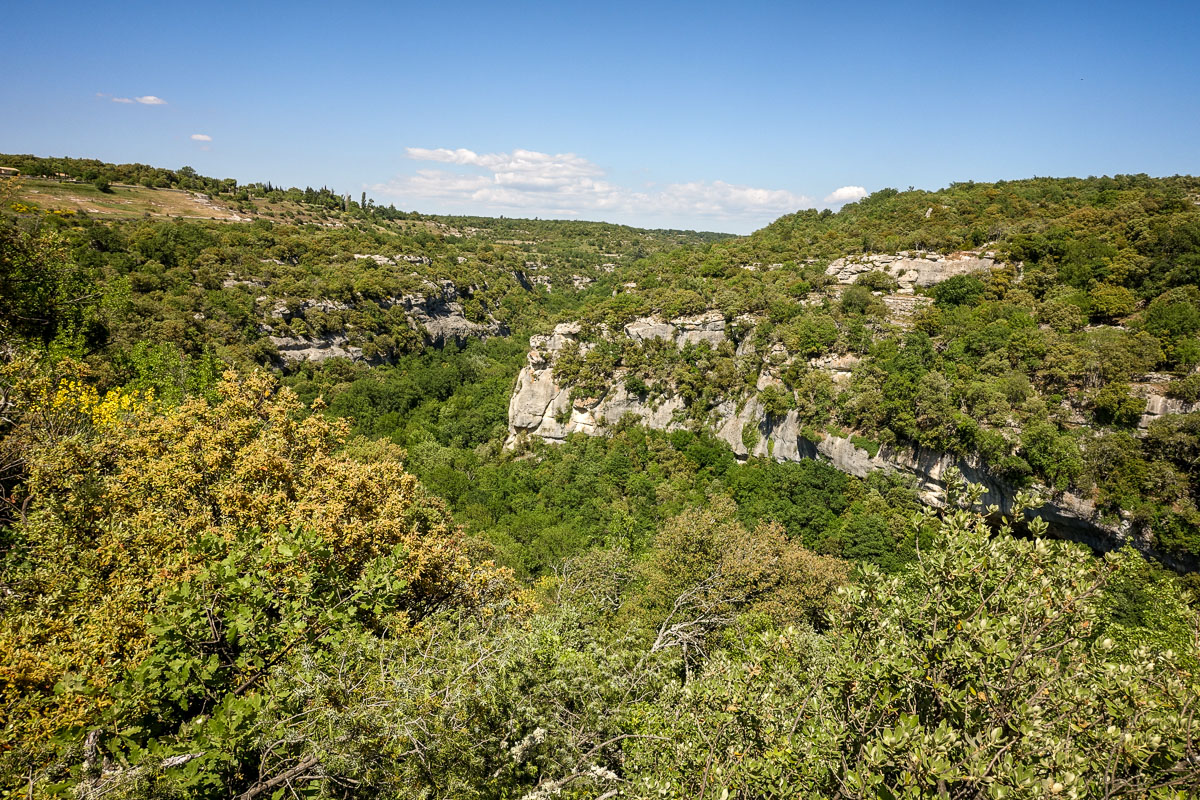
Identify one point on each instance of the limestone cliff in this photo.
(298, 348)
(911, 270)
(541, 407)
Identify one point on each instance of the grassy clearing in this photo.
(120, 200)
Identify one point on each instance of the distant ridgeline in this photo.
(92, 171)
(307, 276)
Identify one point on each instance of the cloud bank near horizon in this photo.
(569, 185)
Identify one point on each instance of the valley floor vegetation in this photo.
(226, 574)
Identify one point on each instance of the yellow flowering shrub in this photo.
(105, 413)
(119, 492)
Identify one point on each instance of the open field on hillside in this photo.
(121, 201)
(125, 201)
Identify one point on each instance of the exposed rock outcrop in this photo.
(295, 349)
(437, 314)
(911, 270)
(1158, 405)
(540, 407)
(285, 310)
(441, 317)
(230, 282)
(902, 307)
(385, 261)
(528, 278)
(707, 327)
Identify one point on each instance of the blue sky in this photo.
(719, 116)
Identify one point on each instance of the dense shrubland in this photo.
(335, 582)
(217, 598)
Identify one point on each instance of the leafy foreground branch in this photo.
(990, 668)
(216, 600)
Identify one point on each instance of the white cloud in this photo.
(565, 184)
(146, 100)
(846, 194)
(201, 137)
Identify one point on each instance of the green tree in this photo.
(42, 291)
(1051, 454)
(706, 568)
(776, 401)
(810, 335)
(1110, 302)
(959, 290)
(139, 529)
(1114, 405)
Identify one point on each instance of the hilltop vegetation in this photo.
(1042, 366)
(260, 534)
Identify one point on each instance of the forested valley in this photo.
(303, 496)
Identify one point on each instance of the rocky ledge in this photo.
(294, 348)
(439, 314)
(911, 270)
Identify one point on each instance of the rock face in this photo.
(440, 316)
(902, 307)
(541, 407)
(295, 349)
(283, 310)
(911, 270)
(437, 315)
(385, 261)
(707, 327)
(1159, 405)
